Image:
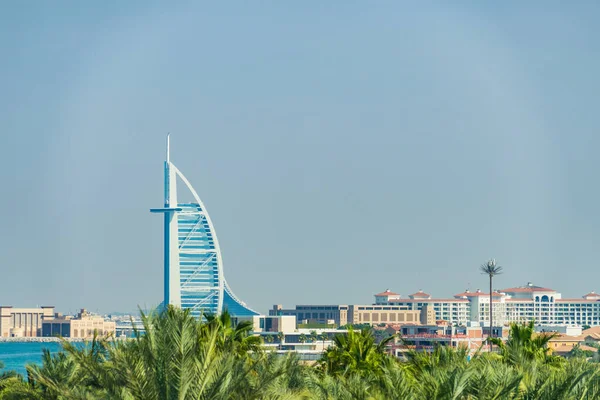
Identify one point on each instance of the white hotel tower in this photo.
(193, 266)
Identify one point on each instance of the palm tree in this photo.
(178, 357)
(323, 337)
(302, 338)
(524, 345)
(313, 336)
(7, 378)
(276, 376)
(491, 269)
(269, 339)
(59, 377)
(355, 352)
(281, 337)
(234, 338)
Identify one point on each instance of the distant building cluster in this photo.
(423, 321)
(82, 326)
(344, 314)
(517, 304)
(44, 322)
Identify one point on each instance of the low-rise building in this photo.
(388, 314)
(566, 330)
(83, 326)
(317, 314)
(280, 333)
(23, 322)
(589, 339)
(372, 314)
(263, 323)
(563, 344)
(427, 337)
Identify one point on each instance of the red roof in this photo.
(420, 293)
(470, 294)
(527, 289)
(387, 293)
(475, 294)
(396, 301)
(592, 294)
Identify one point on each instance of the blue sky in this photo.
(341, 148)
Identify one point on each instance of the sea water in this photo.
(16, 355)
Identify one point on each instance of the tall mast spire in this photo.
(168, 146)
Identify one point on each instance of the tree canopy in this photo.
(180, 357)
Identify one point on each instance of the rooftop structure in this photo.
(419, 295)
(193, 264)
(384, 297)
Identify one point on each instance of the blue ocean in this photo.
(15, 356)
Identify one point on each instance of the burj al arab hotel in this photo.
(193, 265)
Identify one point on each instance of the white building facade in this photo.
(518, 304)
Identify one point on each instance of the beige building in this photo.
(23, 322)
(373, 314)
(280, 323)
(386, 314)
(564, 343)
(82, 326)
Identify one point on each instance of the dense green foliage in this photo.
(181, 358)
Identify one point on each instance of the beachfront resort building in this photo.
(545, 306)
(23, 322)
(517, 304)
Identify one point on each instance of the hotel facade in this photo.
(193, 265)
(517, 304)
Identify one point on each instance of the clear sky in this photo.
(341, 147)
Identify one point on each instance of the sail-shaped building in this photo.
(193, 266)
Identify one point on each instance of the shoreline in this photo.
(43, 340)
(38, 340)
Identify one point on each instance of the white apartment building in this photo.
(518, 304)
(456, 310)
